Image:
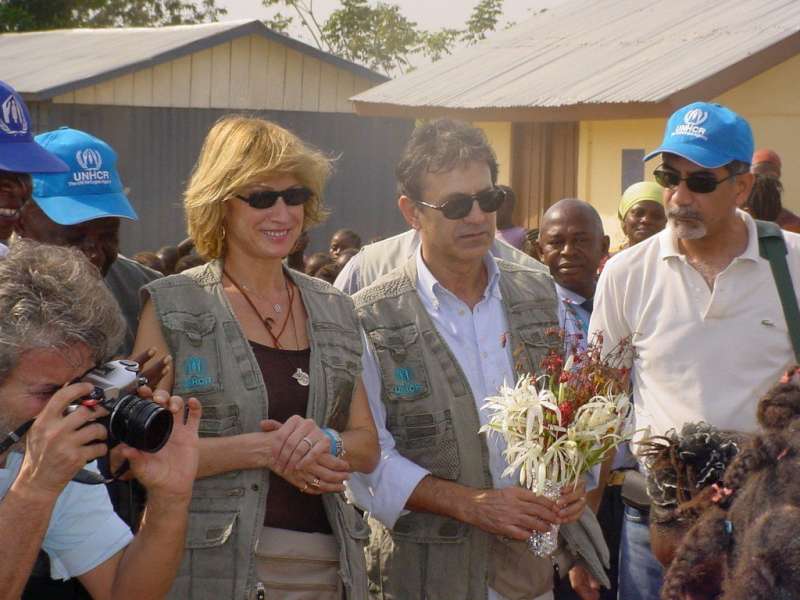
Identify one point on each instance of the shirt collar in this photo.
(429, 287)
(668, 244)
(569, 296)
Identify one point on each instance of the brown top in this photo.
(288, 507)
(788, 220)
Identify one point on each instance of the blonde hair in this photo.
(238, 152)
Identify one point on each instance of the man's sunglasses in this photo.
(699, 183)
(459, 206)
(267, 198)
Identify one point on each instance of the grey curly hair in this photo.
(53, 297)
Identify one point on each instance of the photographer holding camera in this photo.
(59, 322)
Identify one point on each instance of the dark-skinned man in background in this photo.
(572, 244)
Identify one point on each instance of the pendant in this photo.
(301, 377)
(277, 308)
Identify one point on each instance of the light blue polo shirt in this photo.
(84, 530)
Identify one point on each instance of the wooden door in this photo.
(544, 168)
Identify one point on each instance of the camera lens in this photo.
(141, 423)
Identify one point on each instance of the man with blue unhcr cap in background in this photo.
(709, 332)
(20, 155)
(82, 207)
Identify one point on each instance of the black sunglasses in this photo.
(700, 183)
(459, 206)
(267, 198)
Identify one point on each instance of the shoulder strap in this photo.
(772, 247)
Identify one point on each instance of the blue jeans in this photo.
(640, 574)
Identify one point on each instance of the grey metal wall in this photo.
(157, 148)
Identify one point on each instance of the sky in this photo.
(429, 14)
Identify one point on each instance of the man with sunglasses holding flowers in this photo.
(444, 331)
(708, 328)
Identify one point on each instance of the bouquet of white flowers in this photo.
(560, 424)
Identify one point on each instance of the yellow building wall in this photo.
(768, 101)
(499, 135)
(249, 72)
(600, 163)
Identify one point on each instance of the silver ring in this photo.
(315, 482)
(305, 487)
(309, 442)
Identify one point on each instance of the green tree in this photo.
(33, 15)
(378, 35)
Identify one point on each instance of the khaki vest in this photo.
(377, 259)
(432, 415)
(214, 362)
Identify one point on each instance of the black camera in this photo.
(135, 421)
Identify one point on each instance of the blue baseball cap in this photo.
(91, 189)
(707, 134)
(18, 152)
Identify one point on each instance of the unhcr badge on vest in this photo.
(195, 371)
(404, 383)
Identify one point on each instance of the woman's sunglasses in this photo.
(267, 198)
(699, 183)
(459, 206)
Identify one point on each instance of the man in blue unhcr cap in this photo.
(20, 155)
(82, 207)
(709, 332)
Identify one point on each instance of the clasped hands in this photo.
(301, 454)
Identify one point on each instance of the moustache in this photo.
(684, 213)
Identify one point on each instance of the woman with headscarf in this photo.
(641, 212)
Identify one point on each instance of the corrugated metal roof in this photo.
(603, 52)
(43, 64)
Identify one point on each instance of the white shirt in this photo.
(475, 339)
(84, 531)
(700, 354)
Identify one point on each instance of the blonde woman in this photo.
(274, 357)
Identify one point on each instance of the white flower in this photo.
(538, 445)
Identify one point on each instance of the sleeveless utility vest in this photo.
(214, 362)
(432, 415)
(379, 258)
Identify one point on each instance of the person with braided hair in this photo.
(744, 543)
(679, 467)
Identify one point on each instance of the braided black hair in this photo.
(763, 478)
(764, 201)
(680, 465)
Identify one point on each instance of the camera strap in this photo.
(88, 477)
(15, 436)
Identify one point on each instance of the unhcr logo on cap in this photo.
(89, 159)
(12, 117)
(692, 121)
